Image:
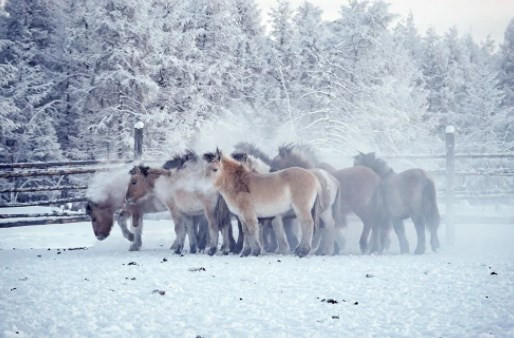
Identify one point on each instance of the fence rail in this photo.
(41, 169)
(44, 188)
(59, 164)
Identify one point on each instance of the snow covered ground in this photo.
(46, 289)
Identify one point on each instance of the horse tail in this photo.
(429, 202)
(338, 209)
(315, 211)
(223, 218)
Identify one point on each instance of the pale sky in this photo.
(478, 17)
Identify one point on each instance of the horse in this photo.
(410, 193)
(330, 215)
(250, 195)
(106, 200)
(299, 155)
(261, 162)
(267, 235)
(357, 188)
(180, 188)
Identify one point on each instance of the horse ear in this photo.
(208, 157)
(133, 171)
(88, 208)
(240, 157)
(145, 170)
(219, 154)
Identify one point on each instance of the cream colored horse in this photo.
(181, 191)
(250, 195)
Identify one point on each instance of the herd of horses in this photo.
(290, 203)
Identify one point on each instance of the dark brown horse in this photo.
(410, 193)
(357, 185)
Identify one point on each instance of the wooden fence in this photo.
(68, 168)
(83, 167)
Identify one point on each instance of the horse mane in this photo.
(253, 163)
(236, 171)
(301, 155)
(178, 161)
(382, 168)
(110, 185)
(378, 165)
(252, 149)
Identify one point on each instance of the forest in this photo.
(77, 75)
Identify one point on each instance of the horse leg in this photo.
(191, 234)
(420, 232)
(201, 236)
(228, 239)
(278, 228)
(122, 222)
(180, 233)
(316, 236)
(375, 241)
(363, 242)
(385, 240)
(399, 229)
(213, 231)
(329, 232)
(307, 225)
(270, 236)
(137, 225)
(240, 238)
(291, 229)
(339, 243)
(434, 239)
(251, 231)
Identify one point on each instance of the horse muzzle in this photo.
(101, 237)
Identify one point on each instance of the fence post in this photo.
(138, 140)
(450, 174)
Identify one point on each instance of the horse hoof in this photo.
(212, 251)
(302, 252)
(256, 252)
(282, 251)
(419, 251)
(178, 251)
(130, 237)
(134, 247)
(246, 252)
(192, 249)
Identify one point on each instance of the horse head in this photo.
(102, 218)
(290, 155)
(142, 180)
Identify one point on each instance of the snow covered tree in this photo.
(28, 132)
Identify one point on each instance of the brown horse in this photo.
(251, 195)
(330, 215)
(357, 187)
(106, 201)
(181, 190)
(410, 193)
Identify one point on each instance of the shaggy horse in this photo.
(250, 195)
(106, 201)
(183, 193)
(267, 235)
(330, 215)
(357, 188)
(410, 193)
(261, 162)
